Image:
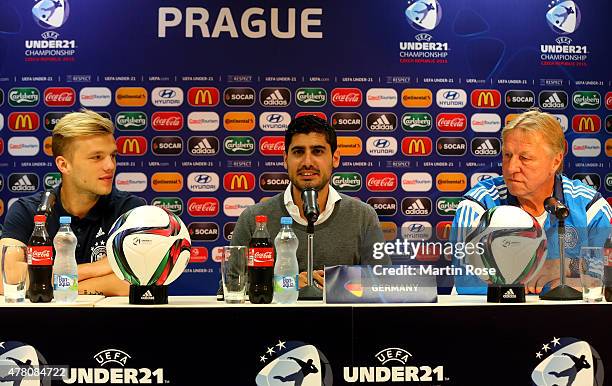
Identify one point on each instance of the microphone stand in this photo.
(562, 291)
(310, 291)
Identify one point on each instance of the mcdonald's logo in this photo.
(443, 229)
(203, 96)
(131, 145)
(239, 182)
(23, 121)
(586, 123)
(485, 99)
(131, 96)
(416, 146)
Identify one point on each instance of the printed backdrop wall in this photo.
(201, 93)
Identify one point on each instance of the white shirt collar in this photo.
(294, 210)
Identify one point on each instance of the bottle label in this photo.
(285, 283)
(65, 282)
(40, 255)
(261, 257)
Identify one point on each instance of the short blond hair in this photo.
(535, 121)
(78, 124)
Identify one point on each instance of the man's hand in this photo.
(108, 285)
(96, 269)
(550, 276)
(317, 279)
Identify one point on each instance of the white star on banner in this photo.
(545, 348)
(270, 350)
(538, 355)
(555, 342)
(280, 344)
(262, 358)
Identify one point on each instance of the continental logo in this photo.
(586, 124)
(203, 96)
(173, 204)
(239, 182)
(239, 121)
(451, 182)
(135, 146)
(416, 146)
(509, 118)
(609, 147)
(389, 230)
(131, 96)
(417, 97)
(47, 146)
(350, 146)
(167, 182)
(130, 120)
(23, 97)
(29, 121)
(485, 99)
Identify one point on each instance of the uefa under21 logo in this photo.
(51, 14)
(563, 16)
(424, 15)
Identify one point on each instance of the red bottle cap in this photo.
(261, 218)
(40, 218)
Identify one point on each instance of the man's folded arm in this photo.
(107, 285)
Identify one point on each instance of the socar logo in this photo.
(51, 14)
(424, 15)
(563, 17)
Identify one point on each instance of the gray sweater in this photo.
(346, 237)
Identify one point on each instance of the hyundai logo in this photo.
(382, 143)
(415, 227)
(275, 118)
(167, 93)
(451, 95)
(202, 178)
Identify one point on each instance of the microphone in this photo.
(47, 203)
(554, 206)
(311, 206)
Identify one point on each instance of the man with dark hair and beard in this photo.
(346, 229)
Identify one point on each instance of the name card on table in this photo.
(378, 284)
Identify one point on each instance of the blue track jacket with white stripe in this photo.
(587, 225)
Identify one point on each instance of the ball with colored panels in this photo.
(148, 246)
(509, 240)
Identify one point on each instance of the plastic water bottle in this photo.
(65, 279)
(286, 266)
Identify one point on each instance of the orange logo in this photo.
(47, 146)
(239, 121)
(349, 146)
(609, 147)
(510, 118)
(1, 207)
(451, 182)
(131, 96)
(389, 230)
(167, 182)
(416, 97)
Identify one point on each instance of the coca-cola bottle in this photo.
(608, 267)
(261, 263)
(40, 262)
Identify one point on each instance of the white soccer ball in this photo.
(512, 242)
(148, 246)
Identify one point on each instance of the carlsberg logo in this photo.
(347, 181)
(586, 99)
(131, 120)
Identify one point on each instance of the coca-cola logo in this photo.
(203, 206)
(167, 121)
(203, 231)
(381, 182)
(60, 96)
(272, 145)
(451, 122)
(346, 97)
(260, 256)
